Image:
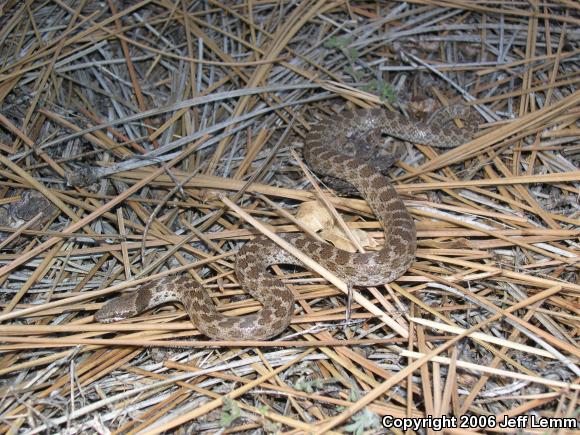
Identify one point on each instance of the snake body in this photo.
(330, 148)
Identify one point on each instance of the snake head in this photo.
(118, 309)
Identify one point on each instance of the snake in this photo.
(31, 204)
(331, 148)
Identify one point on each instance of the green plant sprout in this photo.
(383, 90)
(230, 412)
(308, 386)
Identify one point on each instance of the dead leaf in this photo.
(338, 238)
(314, 216)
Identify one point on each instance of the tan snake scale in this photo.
(328, 150)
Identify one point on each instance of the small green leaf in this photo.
(230, 412)
(385, 91)
(308, 386)
(338, 42)
(361, 421)
(388, 93)
(353, 396)
(352, 53)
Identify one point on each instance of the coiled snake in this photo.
(331, 149)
